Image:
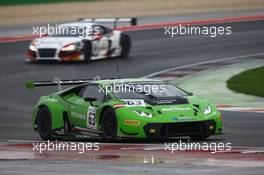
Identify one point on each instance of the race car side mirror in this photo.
(90, 99)
(190, 93)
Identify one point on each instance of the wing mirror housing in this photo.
(90, 99)
(190, 93)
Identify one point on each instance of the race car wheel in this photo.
(87, 50)
(44, 123)
(199, 137)
(125, 43)
(109, 125)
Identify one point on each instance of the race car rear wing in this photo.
(56, 82)
(115, 21)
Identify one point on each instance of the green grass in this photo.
(27, 2)
(249, 82)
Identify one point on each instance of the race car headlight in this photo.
(207, 110)
(143, 114)
(32, 47)
(69, 47)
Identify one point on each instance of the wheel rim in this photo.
(109, 126)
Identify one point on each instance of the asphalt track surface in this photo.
(152, 51)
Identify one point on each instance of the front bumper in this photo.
(166, 130)
(161, 129)
(168, 124)
(54, 54)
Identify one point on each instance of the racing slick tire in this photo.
(199, 137)
(109, 125)
(87, 50)
(44, 123)
(125, 43)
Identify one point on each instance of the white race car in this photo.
(85, 40)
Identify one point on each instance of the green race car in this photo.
(123, 108)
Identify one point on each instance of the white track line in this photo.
(213, 61)
(201, 63)
(241, 109)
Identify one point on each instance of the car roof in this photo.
(106, 82)
(127, 80)
(78, 24)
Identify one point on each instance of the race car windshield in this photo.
(143, 91)
(69, 31)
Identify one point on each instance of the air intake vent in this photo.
(47, 52)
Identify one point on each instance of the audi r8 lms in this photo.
(123, 108)
(85, 40)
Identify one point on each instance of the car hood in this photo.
(187, 108)
(55, 41)
(184, 110)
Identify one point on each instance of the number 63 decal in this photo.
(91, 119)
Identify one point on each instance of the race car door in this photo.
(88, 107)
(102, 43)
